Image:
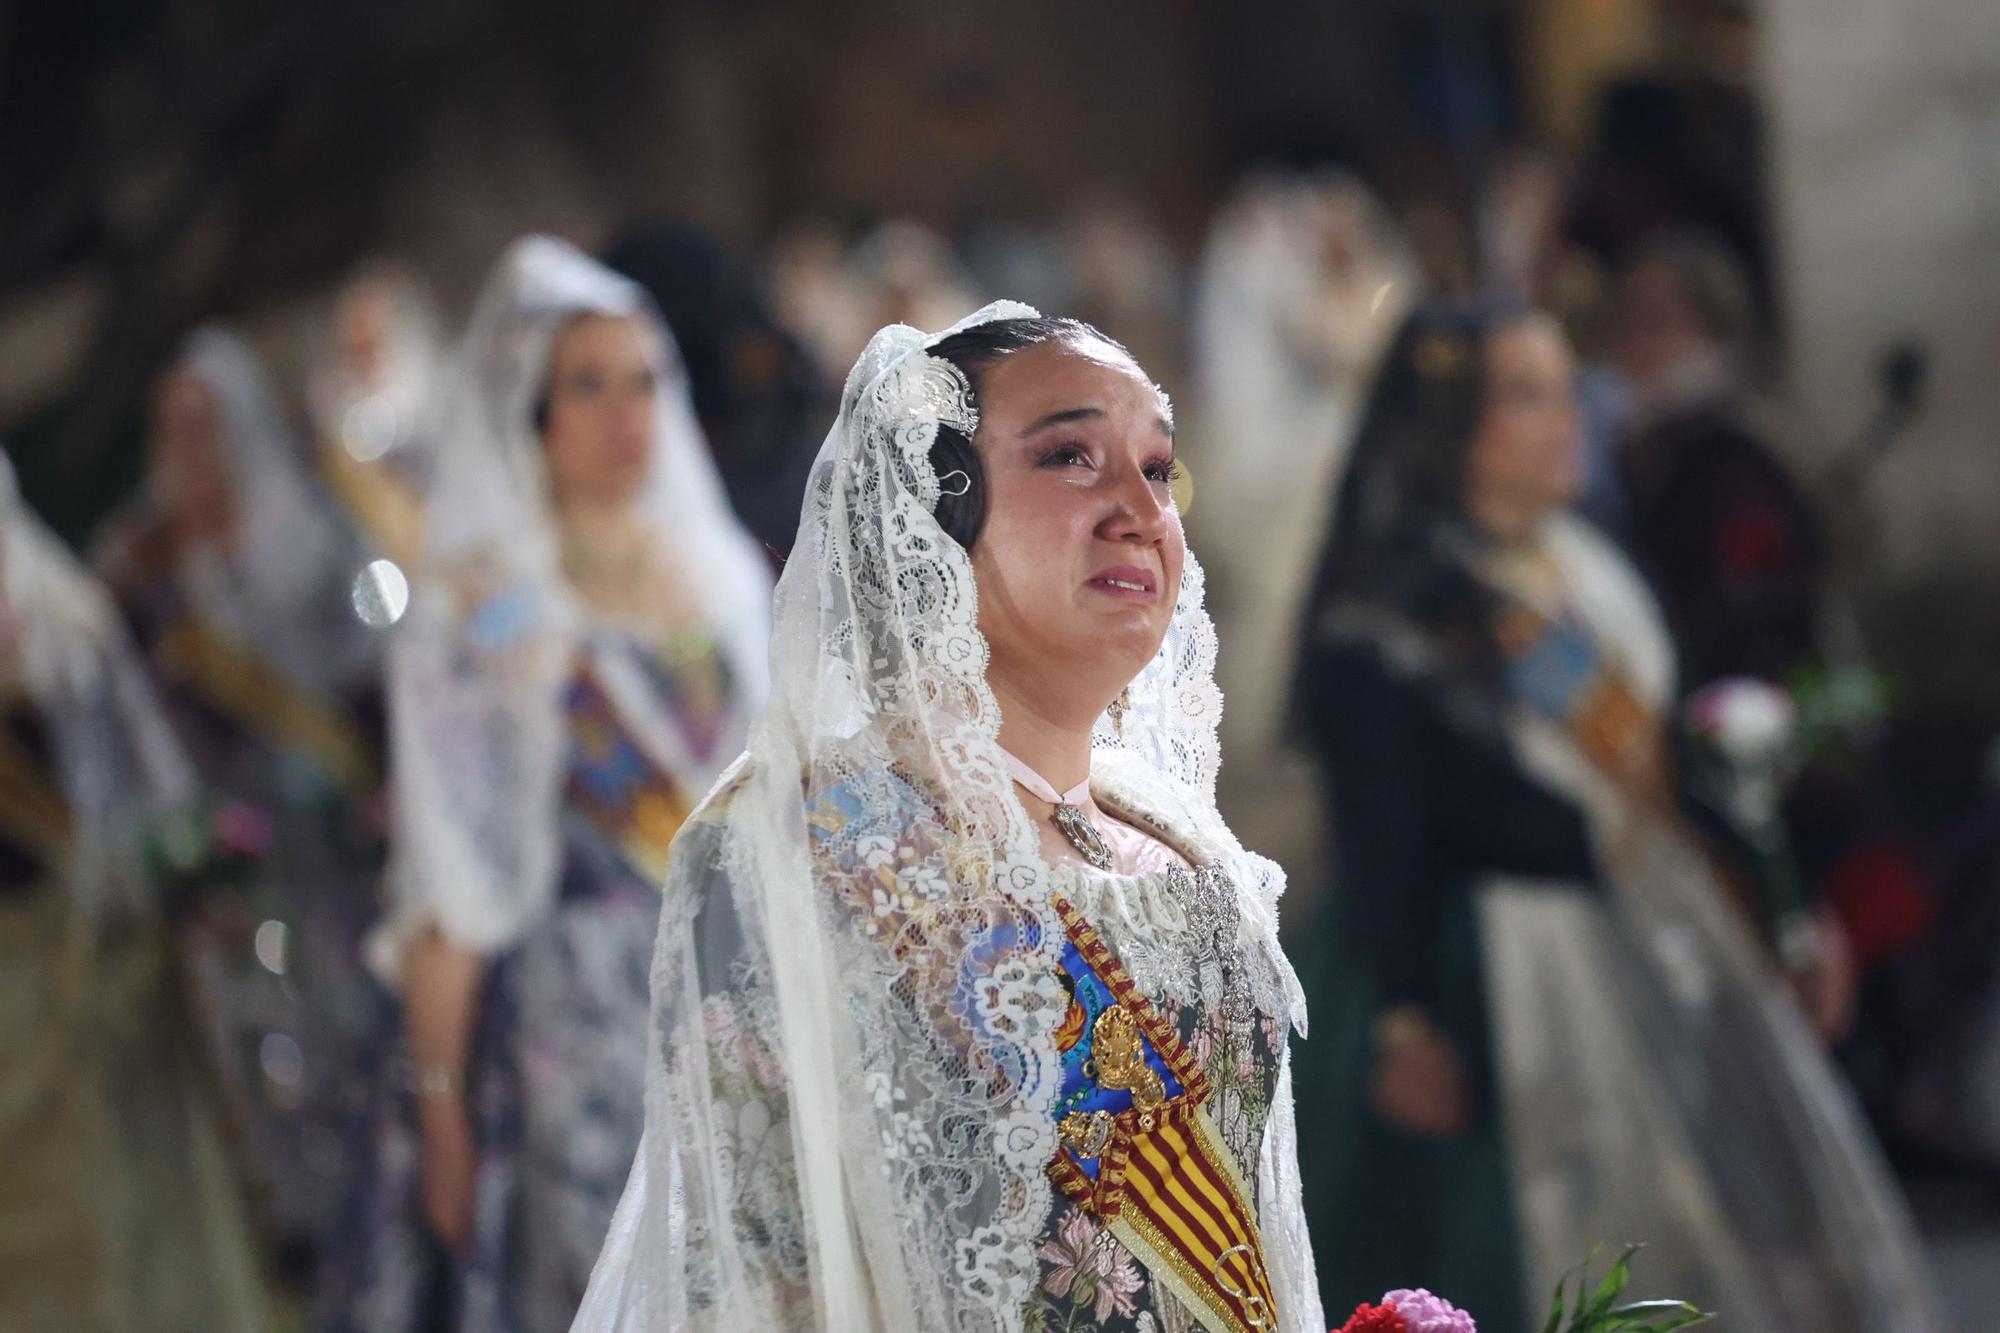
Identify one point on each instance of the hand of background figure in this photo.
(1826, 987)
(1645, 775)
(1419, 1085)
(449, 1166)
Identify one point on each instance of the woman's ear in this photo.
(961, 506)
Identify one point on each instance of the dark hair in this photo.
(754, 385)
(545, 390)
(1400, 529)
(975, 351)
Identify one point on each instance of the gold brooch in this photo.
(1120, 1056)
(1085, 1133)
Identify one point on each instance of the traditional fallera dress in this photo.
(1640, 1072)
(272, 683)
(545, 753)
(907, 1073)
(123, 1208)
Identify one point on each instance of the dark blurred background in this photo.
(165, 163)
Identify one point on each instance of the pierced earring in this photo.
(1119, 708)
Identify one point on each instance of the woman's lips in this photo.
(1126, 581)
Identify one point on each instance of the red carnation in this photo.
(1879, 892)
(1381, 1318)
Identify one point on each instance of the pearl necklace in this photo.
(1069, 818)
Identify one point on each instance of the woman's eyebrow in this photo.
(1165, 423)
(1066, 414)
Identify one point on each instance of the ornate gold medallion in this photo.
(1120, 1055)
(1085, 1133)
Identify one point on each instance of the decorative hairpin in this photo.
(945, 392)
(1439, 355)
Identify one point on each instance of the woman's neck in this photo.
(189, 527)
(1050, 738)
(1507, 519)
(601, 530)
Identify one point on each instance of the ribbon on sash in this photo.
(1558, 669)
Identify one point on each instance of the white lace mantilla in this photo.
(856, 986)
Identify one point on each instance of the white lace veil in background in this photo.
(281, 586)
(855, 989)
(118, 760)
(392, 415)
(1303, 282)
(493, 630)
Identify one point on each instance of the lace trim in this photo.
(1165, 921)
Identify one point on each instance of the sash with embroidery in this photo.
(616, 785)
(1556, 667)
(1139, 1149)
(385, 505)
(234, 683)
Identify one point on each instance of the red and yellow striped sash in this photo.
(1166, 1185)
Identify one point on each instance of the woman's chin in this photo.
(1131, 641)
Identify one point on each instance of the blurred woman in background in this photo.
(235, 574)
(123, 1211)
(369, 389)
(578, 664)
(754, 385)
(1573, 1036)
(1301, 287)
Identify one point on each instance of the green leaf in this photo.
(1640, 1309)
(1556, 1312)
(1599, 1314)
(1640, 1317)
(1614, 1284)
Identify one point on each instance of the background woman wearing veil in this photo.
(123, 1208)
(235, 574)
(370, 390)
(1303, 282)
(970, 1011)
(1573, 1036)
(579, 661)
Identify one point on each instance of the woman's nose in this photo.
(1143, 512)
(635, 411)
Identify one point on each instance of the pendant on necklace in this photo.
(1083, 835)
(1070, 820)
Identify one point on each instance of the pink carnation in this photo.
(242, 829)
(1425, 1313)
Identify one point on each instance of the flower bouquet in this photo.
(1601, 1312)
(207, 846)
(1744, 749)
